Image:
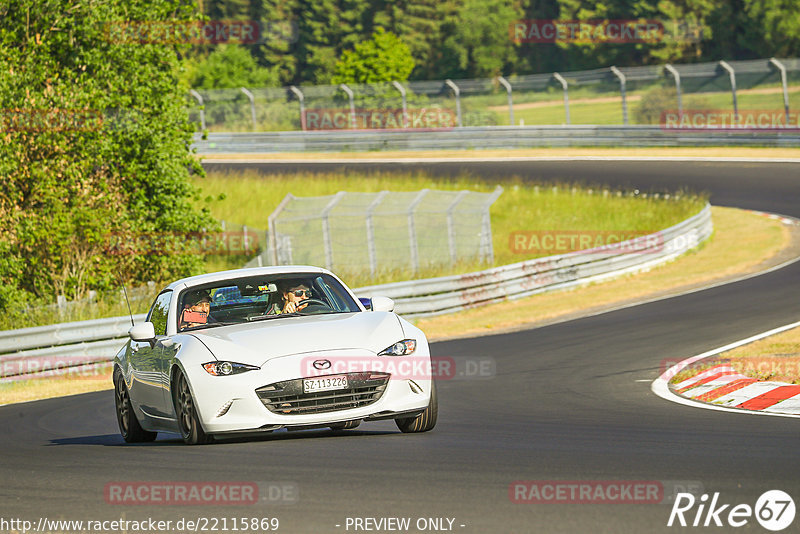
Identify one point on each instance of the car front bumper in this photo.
(239, 403)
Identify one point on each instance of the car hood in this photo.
(258, 342)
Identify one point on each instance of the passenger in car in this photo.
(196, 309)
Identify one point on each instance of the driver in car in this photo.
(196, 310)
(293, 296)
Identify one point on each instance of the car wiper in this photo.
(207, 325)
(264, 317)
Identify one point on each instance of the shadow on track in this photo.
(115, 440)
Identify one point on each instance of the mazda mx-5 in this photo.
(258, 350)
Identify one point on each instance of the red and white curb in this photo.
(722, 388)
(788, 221)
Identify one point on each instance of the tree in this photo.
(279, 39)
(476, 42)
(779, 20)
(383, 58)
(687, 25)
(95, 147)
(417, 23)
(231, 66)
(325, 29)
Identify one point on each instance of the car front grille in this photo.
(288, 398)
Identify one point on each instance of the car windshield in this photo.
(258, 298)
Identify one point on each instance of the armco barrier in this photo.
(65, 333)
(486, 137)
(96, 342)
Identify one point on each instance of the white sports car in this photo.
(256, 350)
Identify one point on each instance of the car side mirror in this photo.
(142, 332)
(382, 304)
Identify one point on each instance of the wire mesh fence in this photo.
(608, 96)
(380, 232)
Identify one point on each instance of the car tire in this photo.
(424, 421)
(347, 425)
(129, 427)
(188, 422)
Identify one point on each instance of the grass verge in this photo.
(249, 197)
(54, 386)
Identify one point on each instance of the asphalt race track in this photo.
(570, 402)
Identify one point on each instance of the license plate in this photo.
(325, 383)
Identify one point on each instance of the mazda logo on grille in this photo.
(322, 364)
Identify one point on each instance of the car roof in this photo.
(240, 273)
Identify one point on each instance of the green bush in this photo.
(654, 103)
(382, 58)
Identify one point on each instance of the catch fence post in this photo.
(457, 92)
(402, 90)
(732, 75)
(622, 80)
(677, 75)
(299, 94)
(252, 105)
(565, 87)
(200, 101)
(782, 69)
(507, 85)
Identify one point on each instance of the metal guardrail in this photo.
(28, 351)
(487, 137)
(64, 333)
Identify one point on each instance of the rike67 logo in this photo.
(774, 510)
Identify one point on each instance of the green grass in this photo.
(249, 198)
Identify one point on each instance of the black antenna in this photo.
(125, 292)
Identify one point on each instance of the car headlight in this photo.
(227, 368)
(401, 348)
